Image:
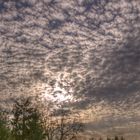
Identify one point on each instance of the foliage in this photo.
(4, 130)
(30, 124)
(26, 123)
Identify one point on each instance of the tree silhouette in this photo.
(30, 124)
(68, 127)
(116, 138)
(108, 138)
(4, 130)
(26, 124)
(60, 124)
(122, 138)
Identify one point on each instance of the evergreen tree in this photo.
(26, 124)
(4, 130)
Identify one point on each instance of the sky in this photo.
(85, 53)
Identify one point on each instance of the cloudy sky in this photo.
(84, 52)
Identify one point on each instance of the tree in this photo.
(116, 138)
(62, 127)
(122, 138)
(100, 138)
(26, 124)
(68, 126)
(108, 138)
(59, 122)
(30, 124)
(92, 138)
(4, 130)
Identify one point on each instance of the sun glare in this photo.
(58, 94)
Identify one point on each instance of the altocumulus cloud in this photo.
(91, 44)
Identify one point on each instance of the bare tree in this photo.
(60, 123)
(95, 41)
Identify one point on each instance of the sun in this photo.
(61, 91)
(58, 94)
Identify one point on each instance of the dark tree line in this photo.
(26, 122)
(108, 138)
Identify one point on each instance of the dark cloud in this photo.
(55, 23)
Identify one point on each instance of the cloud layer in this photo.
(89, 47)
